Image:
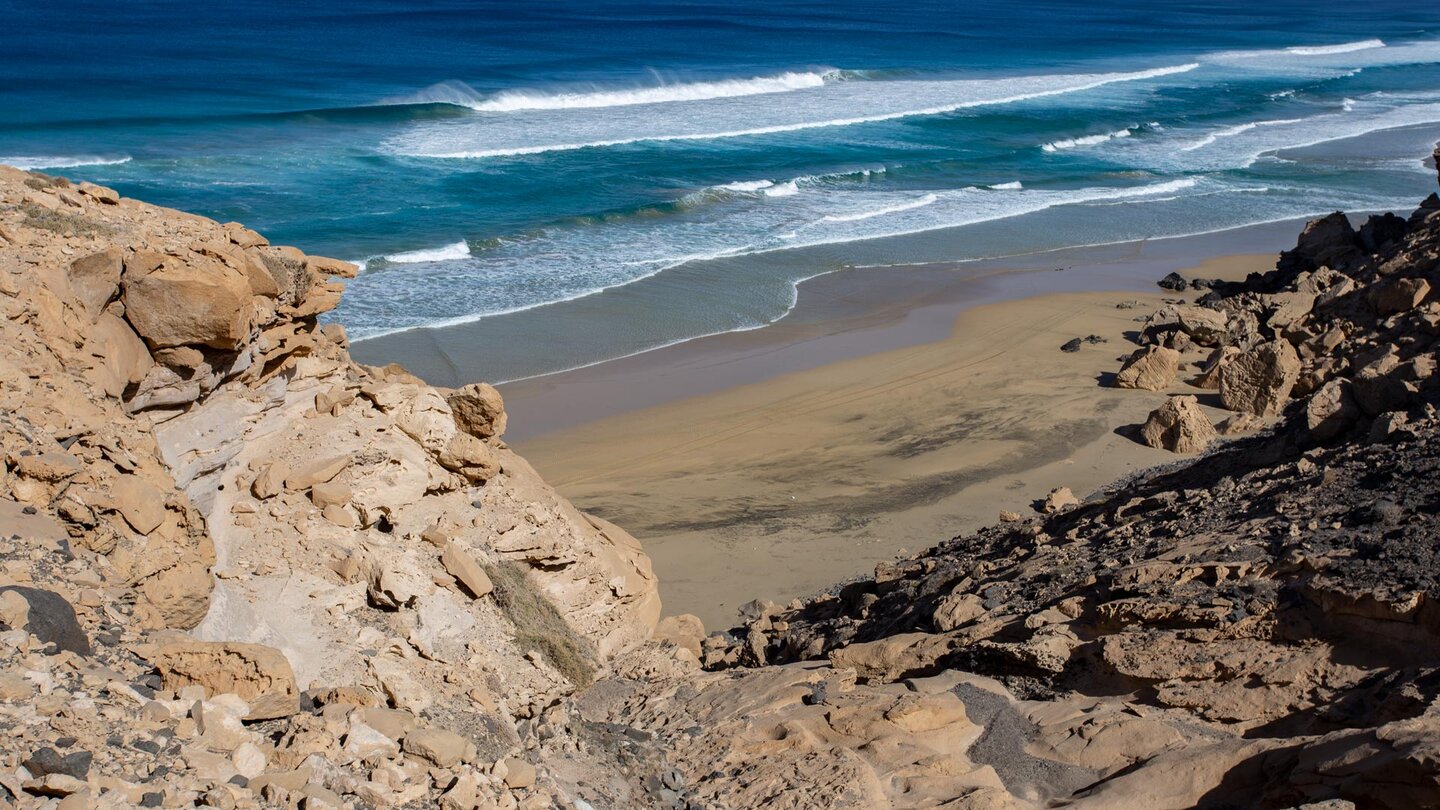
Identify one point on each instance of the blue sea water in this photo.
(507, 162)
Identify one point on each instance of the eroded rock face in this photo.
(421, 618)
(260, 675)
(1259, 381)
(1151, 369)
(1178, 426)
(185, 447)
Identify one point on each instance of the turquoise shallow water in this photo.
(504, 163)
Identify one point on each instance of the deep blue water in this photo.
(508, 156)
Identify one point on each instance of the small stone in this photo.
(444, 748)
(519, 774)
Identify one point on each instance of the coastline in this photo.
(844, 315)
(895, 408)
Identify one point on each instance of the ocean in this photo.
(584, 181)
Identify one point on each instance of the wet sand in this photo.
(894, 409)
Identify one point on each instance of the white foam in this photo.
(1087, 140)
(1230, 132)
(747, 185)
(458, 250)
(1014, 185)
(928, 199)
(61, 161)
(782, 189)
(1326, 50)
(718, 119)
(518, 100)
(566, 263)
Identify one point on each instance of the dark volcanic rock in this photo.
(1173, 281)
(52, 619)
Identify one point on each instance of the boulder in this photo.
(46, 615)
(1060, 499)
(330, 493)
(470, 457)
(271, 480)
(1151, 369)
(1204, 325)
(260, 675)
(196, 302)
(121, 359)
(685, 630)
(1259, 381)
(1380, 386)
(1400, 295)
(139, 502)
(1330, 241)
(519, 774)
(479, 410)
(441, 747)
(1331, 410)
(1174, 282)
(317, 472)
(96, 278)
(1178, 426)
(465, 570)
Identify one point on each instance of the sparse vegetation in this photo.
(60, 222)
(538, 625)
(40, 182)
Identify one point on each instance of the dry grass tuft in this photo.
(538, 625)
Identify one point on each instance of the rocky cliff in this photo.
(186, 449)
(244, 571)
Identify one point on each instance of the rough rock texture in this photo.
(243, 571)
(186, 448)
(1254, 629)
(1178, 426)
(1151, 369)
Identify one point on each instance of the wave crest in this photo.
(463, 95)
(32, 162)
(1087, 140)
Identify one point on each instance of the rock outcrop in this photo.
(280, 562)
(244, 571)
(1256, 628)
(1178, 426)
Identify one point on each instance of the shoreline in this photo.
(774, 465)
(892, 408)
(456, 354)
(852, 313)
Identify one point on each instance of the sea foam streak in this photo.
(880, 212)
(717, 118)
(571, 262)
(517, 100)
(1230, 132)
(1325, 50)
(1087, 140)
(62, 161)
(458, 250)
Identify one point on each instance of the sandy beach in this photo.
(900, 407)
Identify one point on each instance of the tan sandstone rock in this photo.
(195, 302)
(479, 410)
(259, 674)
(1259, 381)
(465, 570)
(1178, 426)
(1151, 369)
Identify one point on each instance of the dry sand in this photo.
(783, 486)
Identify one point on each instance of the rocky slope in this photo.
(244, 571)
(1257, 628)
(358, 562)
